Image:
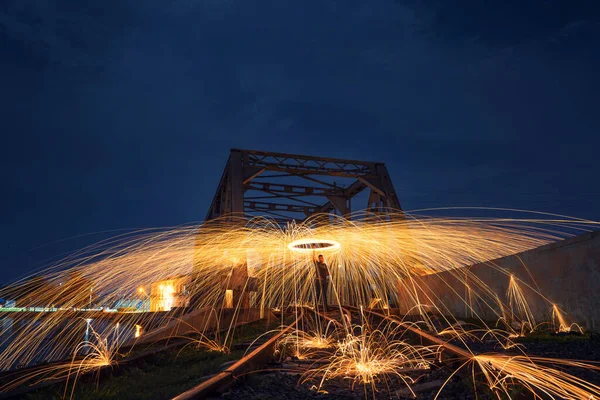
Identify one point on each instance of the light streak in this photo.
(311, 340)
(374, 355)
(560, 323)
(372, 262)
(89, 355)
(311, 245)
(503, 372)
(518, 306)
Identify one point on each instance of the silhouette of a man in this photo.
(321, 281)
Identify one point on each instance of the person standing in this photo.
(239, 283)
(321, 282)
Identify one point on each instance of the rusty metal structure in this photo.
(293, 187)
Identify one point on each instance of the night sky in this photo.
(120, 114)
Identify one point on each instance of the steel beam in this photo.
(246, 171)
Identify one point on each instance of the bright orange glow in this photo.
(310, 245)
(228, 298)
(372, 356)
(167, 297)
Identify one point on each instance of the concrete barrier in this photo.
(202, 320)
(566, 273)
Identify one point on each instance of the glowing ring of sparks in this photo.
(309, 245)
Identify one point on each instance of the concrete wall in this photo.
(566, 273)
(203, 320)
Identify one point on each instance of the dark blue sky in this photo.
(120, 114)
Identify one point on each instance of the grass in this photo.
(550, 337)
(160, 376)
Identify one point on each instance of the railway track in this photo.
(296, 376)
(274, 367)
(294, 369)
(259, 351)
(256, 359)
(449, 347)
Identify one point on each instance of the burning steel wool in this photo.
(368, 355)
(234, 264)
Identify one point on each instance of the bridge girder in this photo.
(258, 182)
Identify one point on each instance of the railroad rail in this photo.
(427, 336)
(347, 310)
(224, 379)
(345, 319)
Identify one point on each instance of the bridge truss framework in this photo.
(293, 187)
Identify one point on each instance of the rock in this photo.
(419, 388)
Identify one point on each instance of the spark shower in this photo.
(373, 263)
